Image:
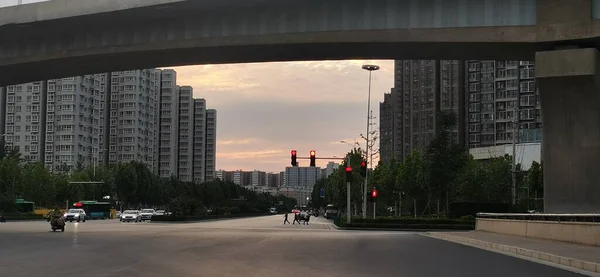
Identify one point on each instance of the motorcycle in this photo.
(58, 224)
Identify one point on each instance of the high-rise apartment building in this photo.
(500, 94)
(211, 145)
(24, 119)
(185, 139)
(168, 124)
(137, 115)
(486, 96)
(73, 121)
(133, 98)
(422, 89)
(199, 135)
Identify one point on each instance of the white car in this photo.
(131, 215)
(75, 215)
(160, 212)
(147, 214)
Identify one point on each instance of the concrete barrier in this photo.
(587, 233)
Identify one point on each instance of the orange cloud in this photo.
(250, 154)
(236, 142)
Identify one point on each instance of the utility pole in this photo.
(514, 156)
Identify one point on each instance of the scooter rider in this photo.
(55, 214)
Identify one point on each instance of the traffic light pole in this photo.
(348, 204)
(374, 209)
(323, 158)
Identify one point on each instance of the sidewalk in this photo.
(575, 256)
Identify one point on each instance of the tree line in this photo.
(128, 185)
(433, 178)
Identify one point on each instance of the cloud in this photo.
(280, 82)
(234, 142)
(250, 154)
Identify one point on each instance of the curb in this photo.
(394, 229)
(548, 258)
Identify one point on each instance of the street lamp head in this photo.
(370, 67)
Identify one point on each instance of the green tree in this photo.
(445, 159)
(384, 177)
(38, 186)
(413, 177)
(126, 184)
(535, 179)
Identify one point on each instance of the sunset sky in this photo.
(264, 110)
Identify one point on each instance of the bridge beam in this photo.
(569, 86)
(561, 11)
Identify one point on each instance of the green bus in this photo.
(25, 206)
(94, 209)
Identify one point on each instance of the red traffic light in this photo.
(78, 204)
(313, 153)
(374, 193)
(294, 152)
(363, 164)
(348, 169)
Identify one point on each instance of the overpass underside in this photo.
(71, 40)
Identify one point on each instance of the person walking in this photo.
(285, 218)
(296, 219)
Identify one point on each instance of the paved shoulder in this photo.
(564, 255)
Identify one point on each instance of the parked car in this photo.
(160, 212)
(131, 215)
(75, 215)
(146, 214)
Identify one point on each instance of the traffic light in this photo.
(374, 193)
(294, 162)
(348, 173)
(363, 169)
(312, 158)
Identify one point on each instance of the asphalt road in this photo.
(242, 247)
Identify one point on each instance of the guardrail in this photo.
(543, 217)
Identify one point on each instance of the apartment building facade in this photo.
(133, 98)
(488, 97)
(137, 115)
(408, 115)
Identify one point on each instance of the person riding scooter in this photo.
(54, 215)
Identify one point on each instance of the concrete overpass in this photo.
(65, 37)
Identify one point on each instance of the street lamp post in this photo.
(369, 68)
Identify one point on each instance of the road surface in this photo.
(242, 247)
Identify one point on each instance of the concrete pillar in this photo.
(569, 86)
